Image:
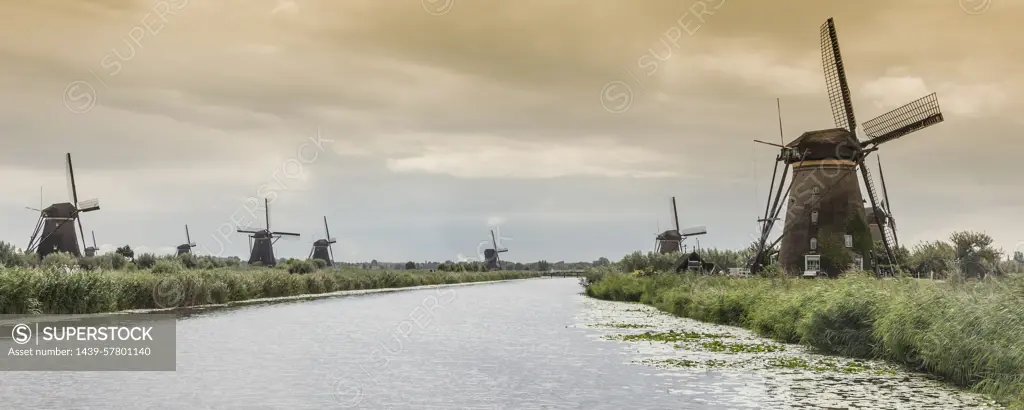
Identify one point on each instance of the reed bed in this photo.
(968, 333)
(73, 291)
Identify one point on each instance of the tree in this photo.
(543, 266)
(933, 257)
(835, 259)
(126, 251)
(974, 253)
(410, 265)
(602, 261)
(863, 244)
(1018, 256)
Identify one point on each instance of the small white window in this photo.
(814, 244)
(814, 217)
(815, 190)
(812, 263)
(858, 263)
(849, 240)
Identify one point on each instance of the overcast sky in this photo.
(569, 123)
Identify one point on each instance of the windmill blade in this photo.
(69, 174)
(74, 194)
(675, 213)
(88, 205)
(188, 238)
(288, 235)
(94, 240)
(914, 116)
(835, 78)
(694, 231)
(330, 240)
(327, 230)
(494, 240)
(266, 209)
(885, 192)
(33, 209)
(249, 231)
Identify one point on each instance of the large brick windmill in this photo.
(824, 196)
(55, 230)
(261, 242)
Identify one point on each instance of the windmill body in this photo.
(671, 241)
(262, 248)
(186, 248)
(824, 199)
(825, 195)
(90, 251)
(55, 230)
(58, 230)
(491, 259)
(262, 241)
(323, 249)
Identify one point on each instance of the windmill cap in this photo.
(835, 143)
(61, 210)
(671, 234)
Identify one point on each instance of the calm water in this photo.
(516, 345)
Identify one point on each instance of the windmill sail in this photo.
(835, 79)
(914, 116)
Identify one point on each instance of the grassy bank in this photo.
(47, 290)
(970, 334)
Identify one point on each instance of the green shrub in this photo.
(146, 260)
(60, 260)
(166, 265)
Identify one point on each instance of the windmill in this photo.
(322, 248)
(55, 230)
(671, 240)
(826, 198)
(91, 250)
(491, 255)
(188, 245)
(261, 242)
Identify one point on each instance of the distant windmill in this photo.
(671, 240)
(491, 255)
(322, 248)
(91, 250)
(55, 231)
(261, 243)
(826, 197)
(188, 245)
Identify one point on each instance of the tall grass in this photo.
(60, 289)
(970, 334)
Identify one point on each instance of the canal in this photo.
(527, 344)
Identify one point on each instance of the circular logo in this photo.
(21, 333)
(438, 7)
(79, 97)
(975, 7)
(168, 293)
(348, 393)
(616, 97)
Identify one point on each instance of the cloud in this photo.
(497, 157)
